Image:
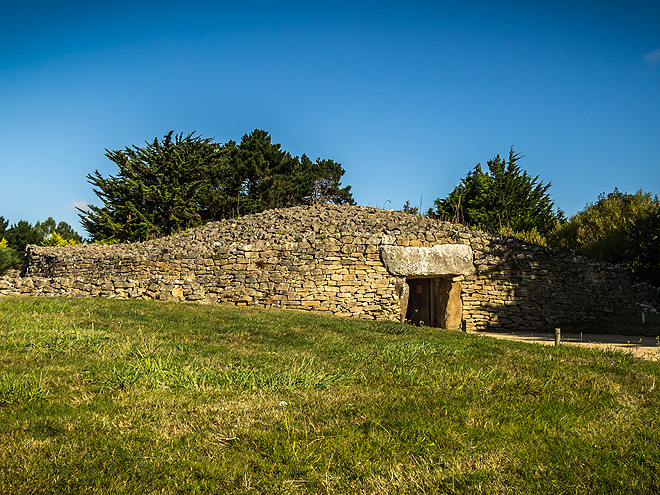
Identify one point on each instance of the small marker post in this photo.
(557, 336)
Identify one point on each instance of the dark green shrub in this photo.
(8, 257)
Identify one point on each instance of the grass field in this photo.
(106, 396)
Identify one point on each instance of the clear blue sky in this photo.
(407, 96)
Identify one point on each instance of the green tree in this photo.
(267, 174)
(8, 256)
(63, 229)
(413, 210)
(184, 182)
(14, 239)
(56, 239)
(21, 234)
(619, 228)
(269, 177)
(167, 186)
(504, 198)
(320, 182)
(67, 233)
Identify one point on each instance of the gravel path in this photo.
(644, 347)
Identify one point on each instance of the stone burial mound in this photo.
(343, 260)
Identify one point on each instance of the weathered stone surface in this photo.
(451, 305)
(436, 261)
(403, 293)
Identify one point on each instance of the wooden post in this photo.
(464, 325)
(643, 318)
(557, 336)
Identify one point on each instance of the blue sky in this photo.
(407, 96)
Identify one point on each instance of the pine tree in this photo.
(183, 182)
(160, 189)
(505, 198)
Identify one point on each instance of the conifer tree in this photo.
(165, 187)
(271, 178)
(504, 198)
(183, 182)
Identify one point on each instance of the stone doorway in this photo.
(434, 302)
(431, 292)
(421, 302)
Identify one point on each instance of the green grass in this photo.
(106, 396)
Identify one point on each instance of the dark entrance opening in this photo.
(421, 302)
(434, 302)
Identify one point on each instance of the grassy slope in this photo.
(147, 397)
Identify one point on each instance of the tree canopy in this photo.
(159, 189)
(23, 232)
(8, 256)
(14, 239)
(505, 197)
(185, 181)
(619, 228)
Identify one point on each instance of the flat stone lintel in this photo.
(436, 261)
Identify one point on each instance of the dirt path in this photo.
(644, 347)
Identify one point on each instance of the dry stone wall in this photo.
(518, 285)
(328, 259)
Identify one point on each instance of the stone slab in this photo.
(436, 261)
